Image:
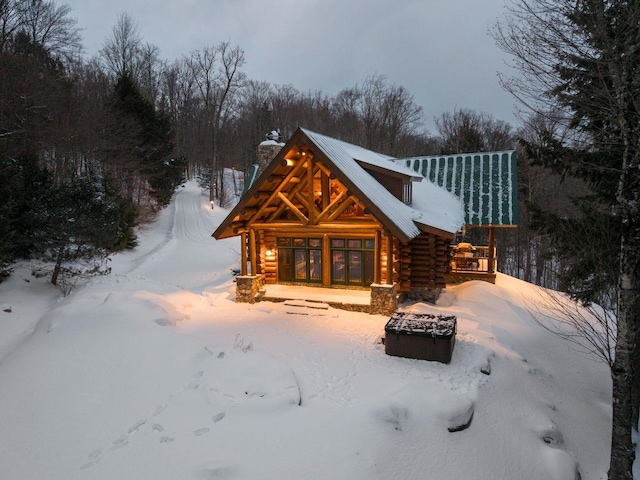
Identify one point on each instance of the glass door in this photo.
(352, 261)
(300, 260)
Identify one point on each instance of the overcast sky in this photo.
(440, 50)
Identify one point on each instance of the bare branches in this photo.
(588, 328)
(121, 50)
(44, 23)
(468, 131)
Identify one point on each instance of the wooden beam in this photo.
(341, 208)
(389, 258)
(325, 190)
(349, 229)
(293, 190)
(313, 211)
(243, 253)
(377, 256)
(324, 168)
(237, 226)
(248, 211)
(327, 210)
(491, 255)
(326, 261)
(293, 208)
(274, 194)
(261, 195)
(252, 252)
(311, 208)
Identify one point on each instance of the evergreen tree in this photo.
(80, 221)
(581, 61)
(153, 140)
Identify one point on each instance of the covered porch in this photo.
(378, 299)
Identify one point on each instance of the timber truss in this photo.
(302, 191)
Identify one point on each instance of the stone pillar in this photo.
(248, 288)
(424, 294)
(384, 299)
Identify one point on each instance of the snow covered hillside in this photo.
(154, 372)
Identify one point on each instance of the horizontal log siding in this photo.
(269, 265)
(403, 267)
(425, 261)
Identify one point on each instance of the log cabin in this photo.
(330, 214)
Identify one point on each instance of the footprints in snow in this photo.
(92, 459)
(156, 428)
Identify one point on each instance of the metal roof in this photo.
(486, 182)
(442, 214)
(343, 154)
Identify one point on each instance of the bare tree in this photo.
(10, 21)
(50, 26)
(466, 130)
(217, 75)
(121, 50)
(149, 68)
(590, 328)
(401, 116)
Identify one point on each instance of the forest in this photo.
(92, 148)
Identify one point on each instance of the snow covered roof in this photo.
(486, 182)
(367, 157)
(434, 210)
(435, 207)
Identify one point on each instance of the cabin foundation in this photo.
(424, 294)
(384, 299)
(248, 288)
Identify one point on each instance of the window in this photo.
(406, 192)
(300, 260)
(352, 261)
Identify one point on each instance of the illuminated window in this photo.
(300, 260)
(352, 261)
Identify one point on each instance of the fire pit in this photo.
(420, 335)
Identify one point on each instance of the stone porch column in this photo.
(384, 299)
(248, 287)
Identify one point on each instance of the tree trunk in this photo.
(626, 370)
(57, 268)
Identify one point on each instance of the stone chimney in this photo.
(268, 149)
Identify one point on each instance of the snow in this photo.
(436, 207)
(433, 206)
(154, 372)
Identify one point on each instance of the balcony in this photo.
(472, 262)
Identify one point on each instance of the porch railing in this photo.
(475, 259)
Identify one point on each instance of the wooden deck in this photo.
(456, 278)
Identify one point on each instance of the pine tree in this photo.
(581, 61)
(153, 140)
(80, 222)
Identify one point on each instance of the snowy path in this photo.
(153, 372)
(183, 252)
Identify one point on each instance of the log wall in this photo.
(421, 263)
(424, 262)
(268, 263)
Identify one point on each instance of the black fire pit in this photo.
(420, 335)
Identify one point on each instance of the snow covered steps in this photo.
(305, 307)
